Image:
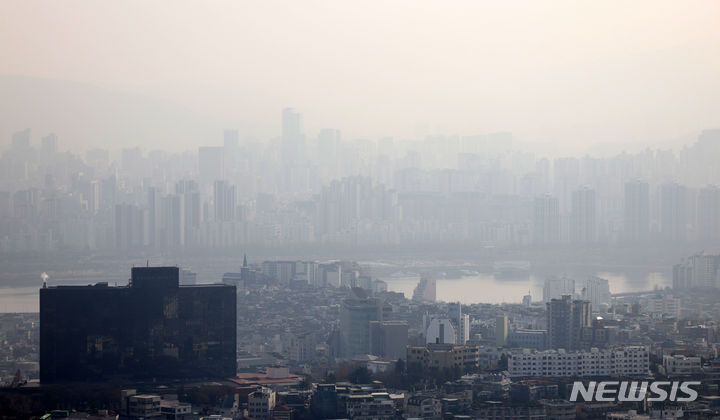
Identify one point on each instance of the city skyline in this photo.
(475, 209)
(553, 73)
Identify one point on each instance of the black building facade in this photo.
(151, 329)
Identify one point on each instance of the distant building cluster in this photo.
(325, 190)
(699, 271)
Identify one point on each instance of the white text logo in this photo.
(634, 391)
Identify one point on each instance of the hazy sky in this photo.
(565, 71)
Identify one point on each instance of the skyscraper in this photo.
(152, 328)
(49, 144)
(425, 291)
(153, 208)
(356, 313)
(637, 211)
(566, 178)
(462, 322)
(565, 320)
(389, 339)
(557, 287)
(682, 276)
(705, 271)
(546, 220)
(225, 201)
(597, 291)
(190, 193)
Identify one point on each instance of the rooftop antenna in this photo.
(44, 276)
(147, 263)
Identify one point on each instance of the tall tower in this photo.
(225, 201)
(597, 291)
(565, 320)
(557, 287)
(356, 313)
(462, 321)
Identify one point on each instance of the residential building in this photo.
(624, 361)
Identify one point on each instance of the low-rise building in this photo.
(370, 407)
(558, 409)
(444, 356)
(172, 409)
(679, 365)
(424, 407)
(528, 339)
(495, 410)
(629, 361)
(261, 403)
(144, 406)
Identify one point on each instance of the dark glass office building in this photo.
(151, 329)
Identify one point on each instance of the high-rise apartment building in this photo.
(225, 201)
(557, 287)
(596, 291)
(565, 319)
(426, 290)
(546, 220)
(701, 271)
(356, 313)
(462, 322)
(389, 339)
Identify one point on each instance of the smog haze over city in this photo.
(326, 209)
